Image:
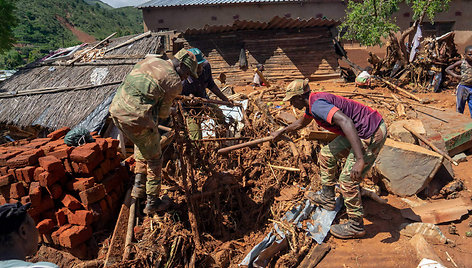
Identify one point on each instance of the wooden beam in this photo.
(90, 49)
(134, 39)
(315, 255)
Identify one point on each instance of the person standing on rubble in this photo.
(145, 97)
(464, 89)
(362, 133)
(196, 87)
(18, 237)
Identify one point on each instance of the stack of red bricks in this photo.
(72, 189)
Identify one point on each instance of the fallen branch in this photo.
(245, 144)
(209, 101)
(430, 144)
(285, 168)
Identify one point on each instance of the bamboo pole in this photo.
(129, 232)
(430, 144)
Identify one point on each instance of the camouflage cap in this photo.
(189, 60)
(296, 87)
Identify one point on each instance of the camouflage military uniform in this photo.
(340, 148)
(145, 95)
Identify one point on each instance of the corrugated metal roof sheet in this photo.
(176, 3)
(274, 23)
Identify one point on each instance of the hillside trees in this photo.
(7, 22)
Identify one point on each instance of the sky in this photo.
(122, 3)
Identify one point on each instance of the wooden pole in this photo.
(399, 89)
(245, 144)
(430, 144)
(148, 33)
(90, 49)
(129, 233)
(285, 168)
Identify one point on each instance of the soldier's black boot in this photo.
(139, 187)
(353, 228)
(154, 204)
(325, 199)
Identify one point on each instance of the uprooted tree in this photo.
(371, 22)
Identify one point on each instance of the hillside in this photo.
(45, 25)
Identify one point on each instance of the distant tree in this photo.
(369, 21)
(7, 22)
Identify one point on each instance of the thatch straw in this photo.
(68, 108)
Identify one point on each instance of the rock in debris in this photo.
(430, 232)
(406, 169)
(462, 157)
(399, 133)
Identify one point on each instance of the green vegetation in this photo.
(7, 22)
(369, 21)
(41, 28)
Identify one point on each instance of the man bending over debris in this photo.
(18, 237)
(464, 89)
(145, 95)
(362, 133)
(196, 87)
(364, 79)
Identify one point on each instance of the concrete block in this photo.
(406, 168)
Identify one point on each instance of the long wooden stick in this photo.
(245, 144)
(129, 232)
(90, 49)
(148, 33)
(399, 89)
(285, 168)
(430, 144)
(47, 90)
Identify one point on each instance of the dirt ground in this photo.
(383, 245)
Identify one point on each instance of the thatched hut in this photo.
(56, 94)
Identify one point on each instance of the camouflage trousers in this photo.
(340, 148)
(194, 122)
(147, 153)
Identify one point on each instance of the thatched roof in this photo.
(68, 107)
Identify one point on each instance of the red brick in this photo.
(55, 235)
(25, 199)
(98, 174)
(68, 166)
(6, 156)
(17, 190)
(36, 143)
(45, 226)
(92, 195)
(115, 198)
(19, 174)
(47, 178)
(112, 182)
(113, 143)
(115, 162)
(37, 172)
(106, 166)
(87, 168)
(3, 201)
(6, 180)
(75, 167)
(12, 172)
(97, 212)
(103, 143)
(27, 158)
(55, 191)
(80, 217)
(83, 155)
(35, 193)
(28, 173)
(61, 152)
(71, 202)
(3, 171)
(80, 184)
(91, 146)
(50, 163)
(46, 203)
(109, 201)
(61, 216)
(75, 236)
(58, 133)
(94, 133)
(111, 152)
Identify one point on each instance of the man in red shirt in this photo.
(362, 133)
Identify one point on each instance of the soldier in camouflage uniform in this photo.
(362, 133)
(144, 98)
